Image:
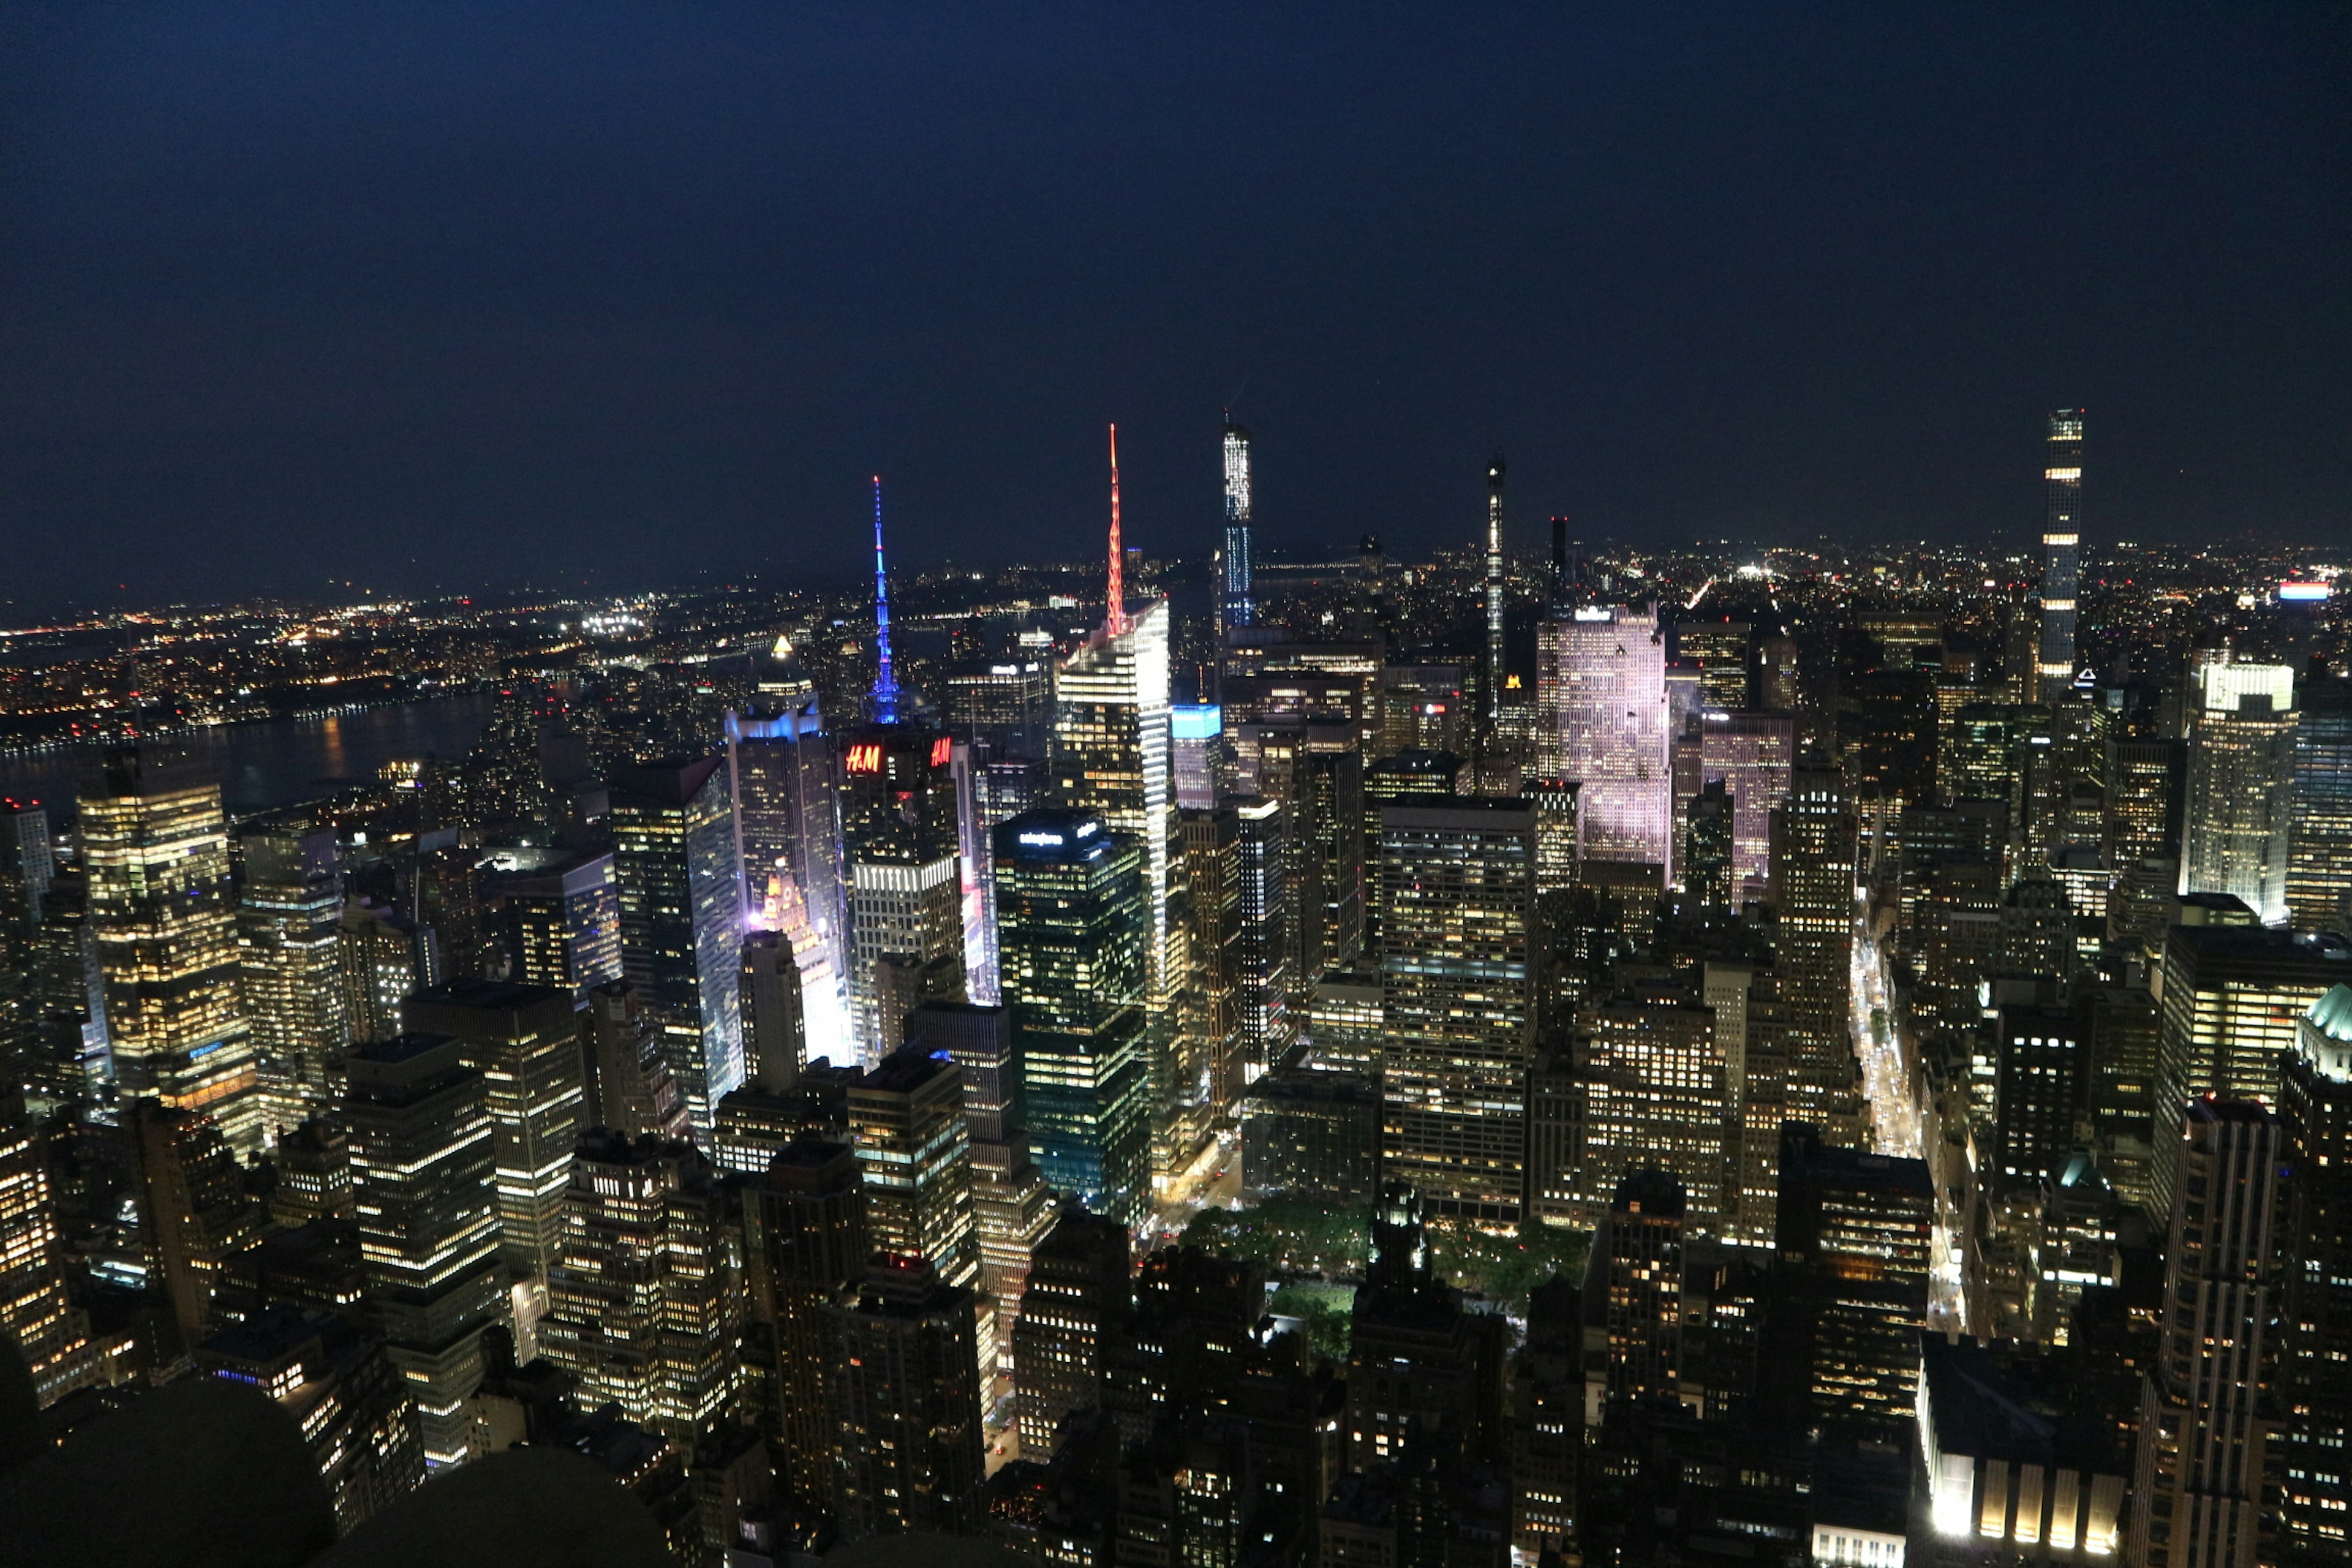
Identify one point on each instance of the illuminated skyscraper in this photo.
(1752, 754)
(1198, 731)
(525, 1042)
(914, 1157)
(2207, 1412)
(1660, 1095)
(156, 846)
(34, 1311)
(1600, 698)
(1235, 604)
(1457, 997)
(1812, 876)
(1266, 985)
(290, 974)
(423, 1159)
(2237, 821)
(2319, 864)
(681, 881)
(1490, 704)
(804, 1241)
(2062, 477)
(1074, 924)
(902, 834)
(1856, 1232)
(562, 924)
(785, 776)
(2316, 1363)
(1643, 1240)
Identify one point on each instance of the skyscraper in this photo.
(2319, 862)
(2061, 478)
(804, 1241)
(2238, 819)
(156, 846)
(1073, 926)
(2315, 1359)
(1600, 698)
(1267, 985)
(525, 1042)
(2207, 1407)
(1854, 1232)
(1660, 1095)
(1752, 756)
(914, 1158)
(1457, 997)
(901, 831)
(1812, 873)
(904, 1371)
(1642, 1242)
(681, 884)
(1077, 1299)
(1235, 604)
(785, 777)
(423, 1158)
(563, 923)
(1490, 706)
(34, 1309)
(289, 973)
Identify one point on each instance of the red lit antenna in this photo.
(1116, 623)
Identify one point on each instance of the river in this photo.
(276, 762)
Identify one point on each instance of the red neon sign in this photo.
(941, 749)
(865, 757)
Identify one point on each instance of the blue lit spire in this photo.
(886, 684)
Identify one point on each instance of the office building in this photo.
(914, 1157)
(1457, 1002)
(805, 1241)
(1210, 1039)
(1235, 604)
(1812, 875)
(424, 1182)
(2314, 1392)
(34, 1309)
(902, 834)
(2319, 858)
(1073, 926)
(1266, 981)
(1312, 1132)
(641, 1307)
(196, 1212)
(2232, 998)
(1313, 766)
(775, 1017)
(1854, 1237)
(384, 956)
(1424, 1374)
(785, 778)
(627, 1084)
(2144, 779)
(1004, 706)
(1601, 695)
(2238, 814)
(1407, 774)
(681, 885)
(562, 923)
(2042, 1093)
(1197, 745)
(155, 846)
(524, 1040)
(1640, 1261)
(1077, 1306)
(909, 1448)
(2019, 1467)
(1753, 756)
(1659, 1095)
(2061, 547)
(289, 975)
(2207, 1412)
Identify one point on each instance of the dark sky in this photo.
(460, 294)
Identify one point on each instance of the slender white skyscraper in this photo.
(2061, 473)
(2237, 819)
(1600, 696)
(1492, 707)
(1235, 606)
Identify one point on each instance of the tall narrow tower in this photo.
(886, 683)
(1114, 621)
(1236, 606)
(1494, 705)
(2061, 473)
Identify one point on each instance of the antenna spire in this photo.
(1116, 623)
(886, 684)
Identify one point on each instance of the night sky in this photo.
(480, 295)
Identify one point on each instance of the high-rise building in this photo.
(1659, 1095)
(1411, 774)
(1197, 738)
(423, 1178)
(2232, 999)
(1812, 873)
(804, 1242)
(785, 777)
(901, 830)
(563, 923)
(156, 846)
(682, 878)
(289, 975)
(1855, 1235)
(1314, 767)
(1548, 1416)
(524, 1040)
(53, 1336)
(1642, 1241)
(2315, 1321)
(1077, 1302)
(1073, 926)
(1235, 604)
(641, 1309)
(1111, 757)
(909, 1448)
(2041, 1068)
(195, 1210)
(1490, 704)
(1458, 998)
(1600, 698)
(1753, 756)
(2207, 1413)
(627, 1079)
(1210, 1037)
(2239, 810)
(2062, 545)
(2143, 800)
(776, 1015)
(914, 1156)
(2319, 860)
(1005, 706)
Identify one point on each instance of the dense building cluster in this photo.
(1772, 1058)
